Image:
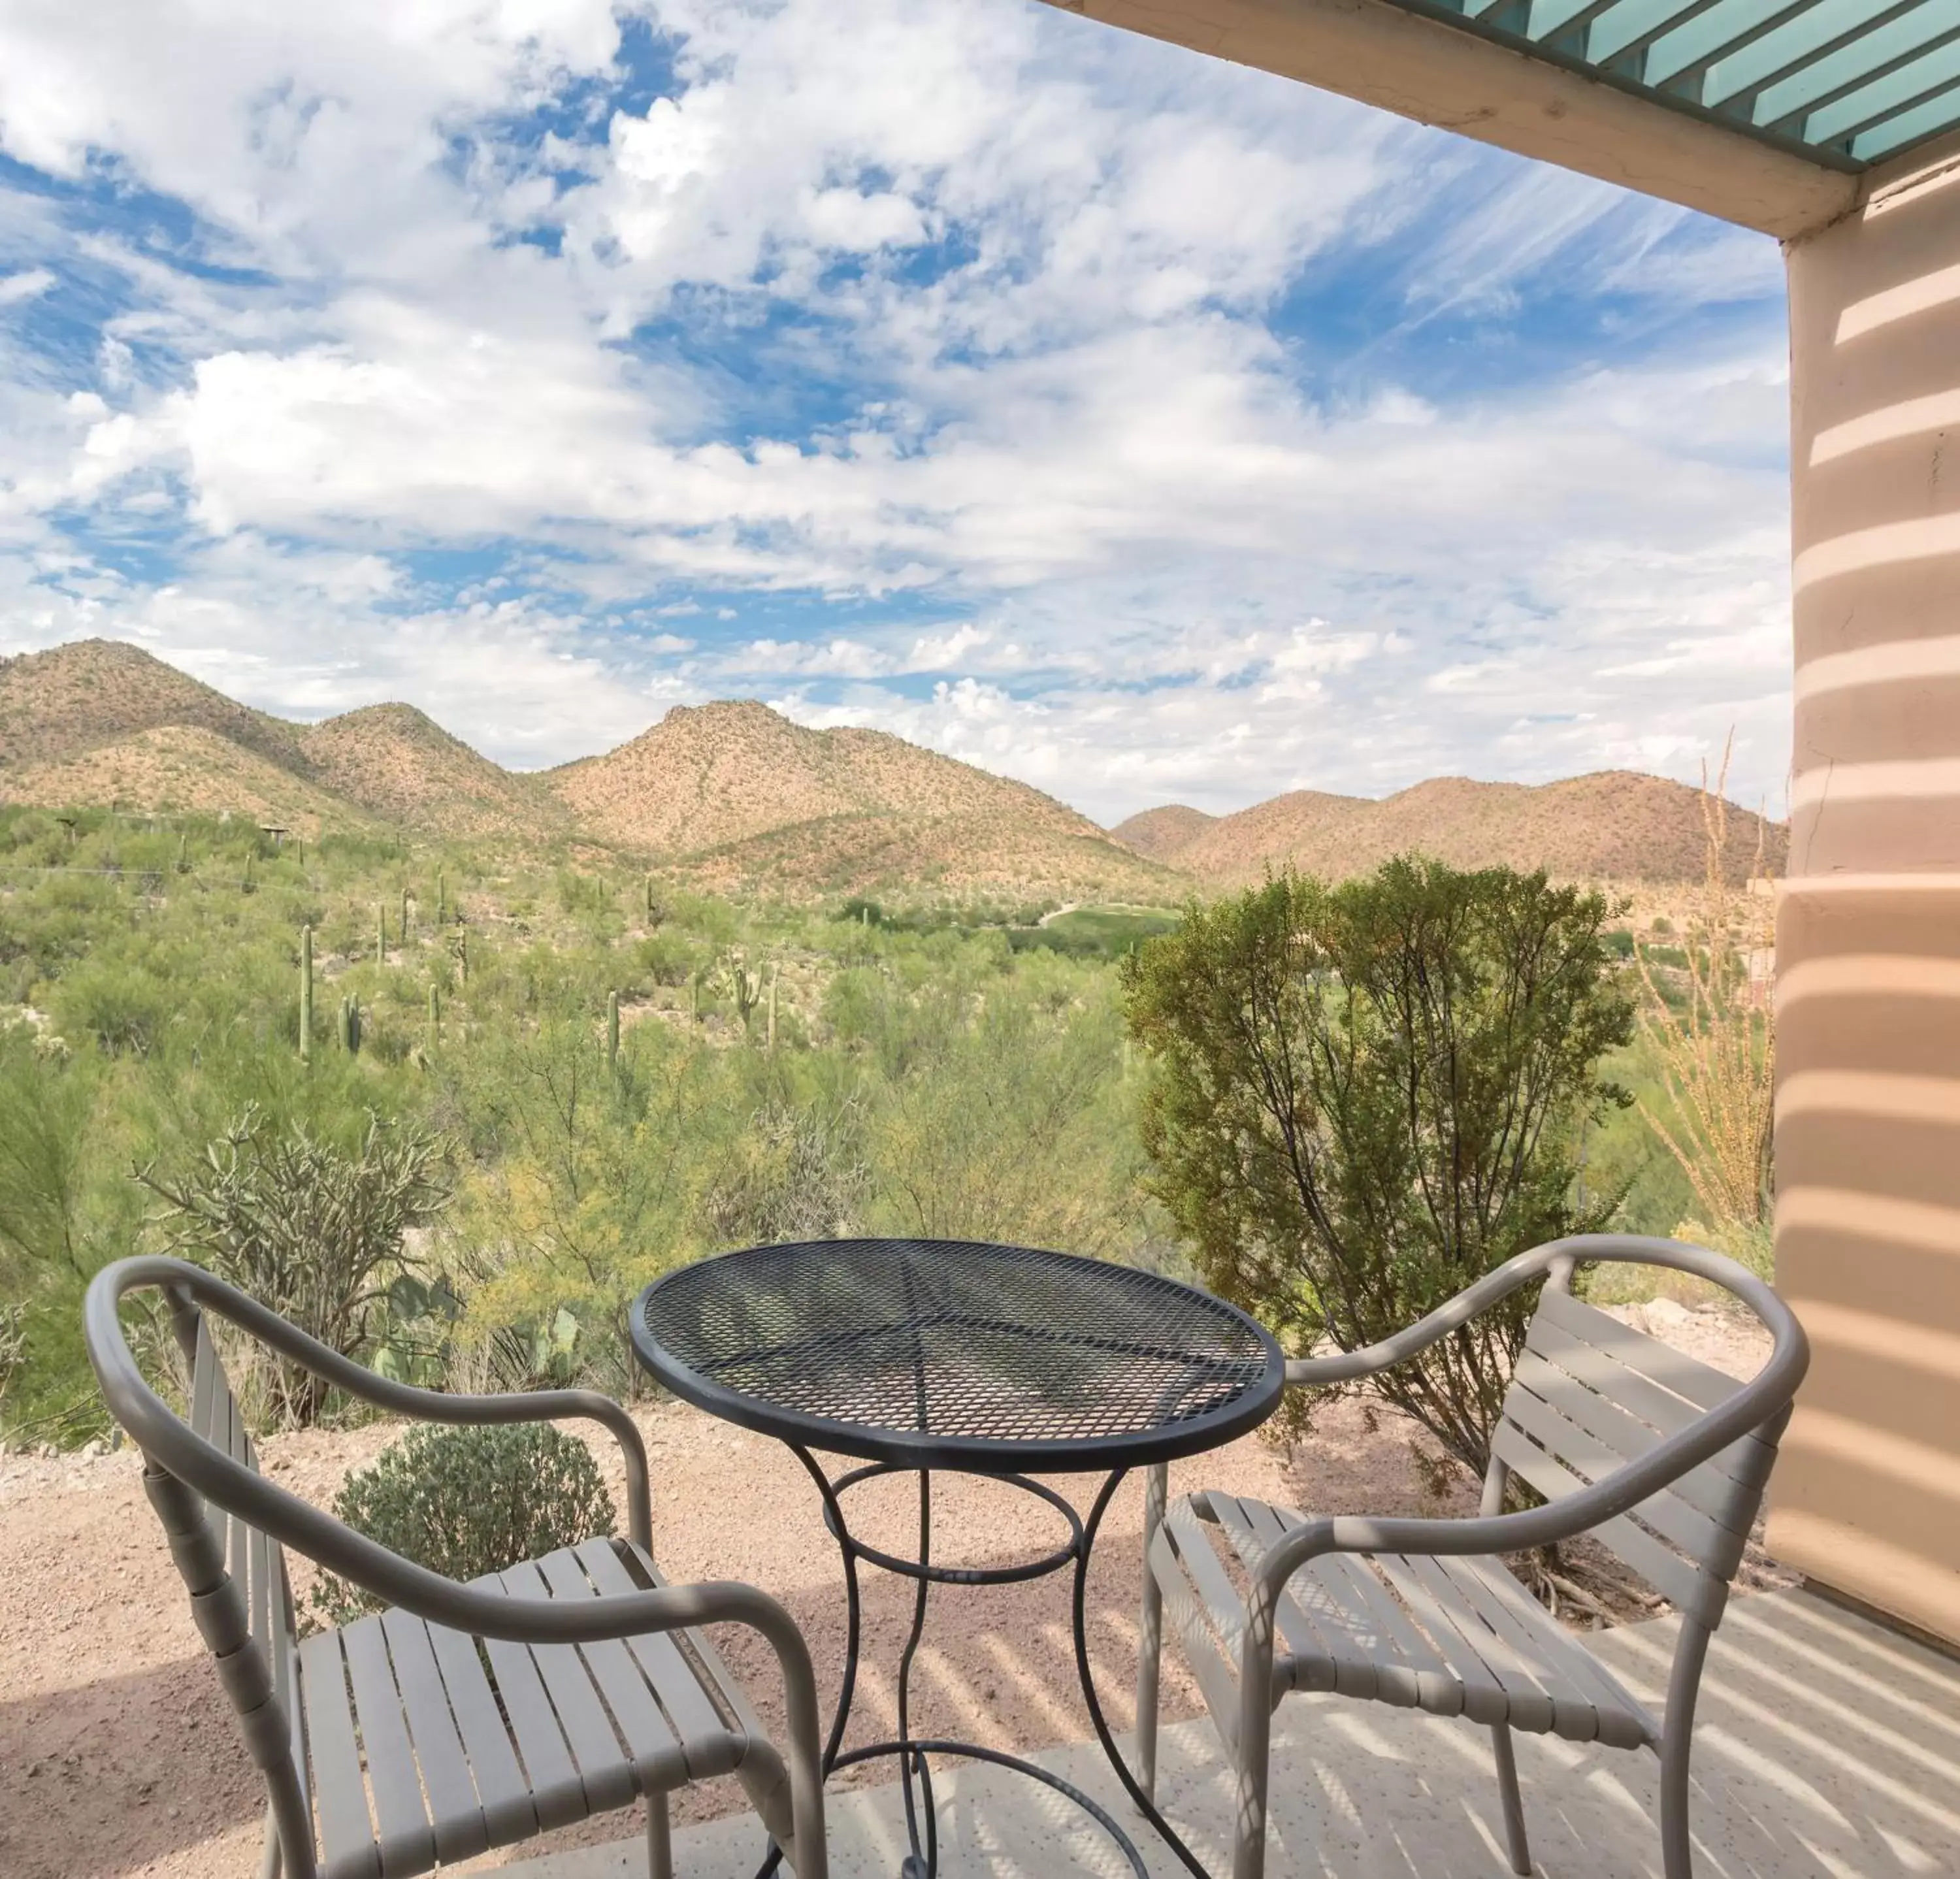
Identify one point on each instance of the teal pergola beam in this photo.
(1840, 82)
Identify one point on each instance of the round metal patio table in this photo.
(915, 1356)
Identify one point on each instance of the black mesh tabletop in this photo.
(946, 1354)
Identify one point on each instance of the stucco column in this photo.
(1867, 1498)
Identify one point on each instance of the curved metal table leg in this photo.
(922, 1861)
(1148, 1807)
(853, 1622)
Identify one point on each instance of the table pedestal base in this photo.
(921, 1822)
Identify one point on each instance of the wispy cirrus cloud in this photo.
(1144, 426)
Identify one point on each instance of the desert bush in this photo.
(1712, 1038)
(1363, 1098)
(1002, 1116)
(467, 1502)
(587, 1184)
(797, 1172)
(314, 1232)
(62, 1214)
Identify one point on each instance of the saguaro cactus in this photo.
(745, 987)
(441, 898)
(612, 1027)
(350, 1026)
(435, 1020)
(404, 916)
(305, 994)
(380, 933)
(776, 978)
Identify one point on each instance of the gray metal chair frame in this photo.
(1662, 1459)
(439, 1747)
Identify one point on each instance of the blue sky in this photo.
(1150, 429)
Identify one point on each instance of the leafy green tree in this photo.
(1364, 1097)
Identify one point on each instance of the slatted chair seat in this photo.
(1661, 1460)
(475, 1742)
(413, 1739)
(1455, 1637)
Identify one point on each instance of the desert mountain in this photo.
(1615, 824)
(746, 797)
(727, 794)
(57, 704)
(713, 774)
(1163, 834)
(183, 769)
(399, 764)
(734, 796)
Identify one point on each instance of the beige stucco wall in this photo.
(1868, 1111)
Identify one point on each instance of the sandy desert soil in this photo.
(118, 1756)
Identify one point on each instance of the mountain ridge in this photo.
(1607, 824)
(729, 793)
(732, 795)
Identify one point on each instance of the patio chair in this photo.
(1660, 1459)
(465, 1717)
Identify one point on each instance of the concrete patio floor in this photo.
(1827, 1745)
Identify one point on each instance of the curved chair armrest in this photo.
(164, 1436)
(179, 1277)
(1501, 1281)
(1765, 1396)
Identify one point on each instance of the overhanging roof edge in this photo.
(1383, 53)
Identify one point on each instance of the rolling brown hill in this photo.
(399, 764)
(59, 703)
(1163, 834)
(98, 722)
(890, 853)
(735, 792)
(1614, 824)
(182, 770)
(733, 795)
(726, 794)
(708, 775)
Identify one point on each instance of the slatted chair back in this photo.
(1590, 1394)
(240, 1595)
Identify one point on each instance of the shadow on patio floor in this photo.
(1827, 1746)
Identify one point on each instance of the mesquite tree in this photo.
(1364, 1097)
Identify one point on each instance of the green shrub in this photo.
(313, 1232)
(466, 1502)
(1364, 1098)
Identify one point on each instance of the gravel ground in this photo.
(118, 1754)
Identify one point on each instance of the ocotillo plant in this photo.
(613, 1029)
(305, 994)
